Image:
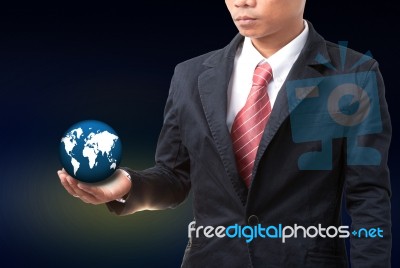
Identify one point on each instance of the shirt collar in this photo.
(278, 60)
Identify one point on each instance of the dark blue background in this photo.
(62, 64)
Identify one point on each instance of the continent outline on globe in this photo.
(96, 142)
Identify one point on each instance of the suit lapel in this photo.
(313, 56)
(213, 84)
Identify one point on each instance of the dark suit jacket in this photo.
(195, 153)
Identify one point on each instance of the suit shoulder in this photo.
(350, 57)
(195, 63)
(198, 64)
(186, 73)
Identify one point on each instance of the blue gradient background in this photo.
(60, 65)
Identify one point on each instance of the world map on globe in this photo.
(90, 151)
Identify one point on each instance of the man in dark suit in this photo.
(315, 145)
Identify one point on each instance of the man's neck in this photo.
(270, 44)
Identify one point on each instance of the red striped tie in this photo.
(250, 122)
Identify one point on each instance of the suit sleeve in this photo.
(167, 184)
(368, 192)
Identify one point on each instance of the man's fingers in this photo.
(65, 183)
(91, 189)
(90, 199)
(86, 196)
(93, 193)
(71, 185)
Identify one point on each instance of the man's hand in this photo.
(113, 188)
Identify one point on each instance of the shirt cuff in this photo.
(128, 176)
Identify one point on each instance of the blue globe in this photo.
(90, 151)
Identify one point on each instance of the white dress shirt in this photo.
(246, 60)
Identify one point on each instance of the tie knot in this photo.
(262, 74)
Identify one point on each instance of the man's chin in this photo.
(252, 33)
(249, 33)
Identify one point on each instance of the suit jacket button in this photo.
(253, 220)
